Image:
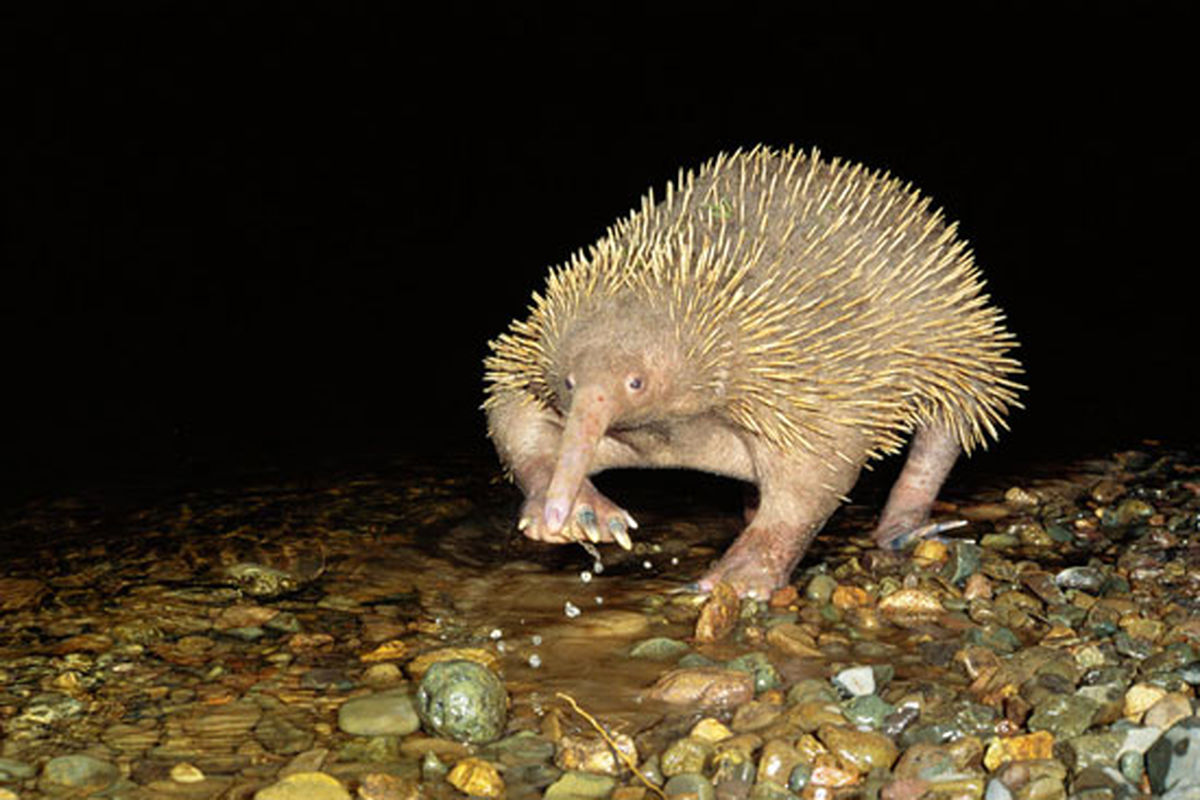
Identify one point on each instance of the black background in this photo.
(265, 234)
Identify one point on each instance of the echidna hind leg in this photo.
(797, 494)
(931, 455)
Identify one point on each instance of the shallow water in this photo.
(123, 611)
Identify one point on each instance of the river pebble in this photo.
(1173, 762)
(476, 777)
(704, 686)
(462, 700)
(390, 713)
(304, 786)
(77, 775)
(1049, 649)
(580, 786)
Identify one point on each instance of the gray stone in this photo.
(1064, 715)
(868, 710)
(12, 769)
(690, 785)
(659, 648)
(1096, 749)
(1085, 579)
(462, 700)
(757, 664)
(1173, 762)
(855, 681)
(388, 713)
(963, 562)
(580, 786)
(77, 775)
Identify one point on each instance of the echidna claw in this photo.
(522, 523)
(630, 522)
(927, 531)
(587, 520)
(617, 529)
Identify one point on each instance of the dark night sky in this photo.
(262, 234)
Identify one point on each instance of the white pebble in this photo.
(599, 600)
(536, 639)
(183, 772)
(535, 661)
(674, 561)
(571, 610)
(496, 633)
(856, 681)
(585, 576)
(646, 564)
(500, 647)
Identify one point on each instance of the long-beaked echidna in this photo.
(777, 318)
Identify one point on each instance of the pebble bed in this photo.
(312, 641)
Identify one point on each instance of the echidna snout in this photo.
(603, 389)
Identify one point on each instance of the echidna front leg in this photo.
(931, 455)
(797, 494)
(528, 439)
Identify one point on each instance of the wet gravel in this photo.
(388, 635)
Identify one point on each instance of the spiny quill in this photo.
(883, 328)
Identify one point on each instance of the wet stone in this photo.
(719, 615)
(1168, 710)
(704, 686)
(861, 750)
(855, 681)
(766, 676)
(659, 648)
(432, 767)
(686, 755)
(525, 747)
(304, 786)
(820, 588)
(384, 786)
(690, 785)
(964, 561)
(281, 735)
(1173, 762)
(1063, 715)
(594, 754)
(477, 778)
(12, 769)
(777, 761)
(389, 713)
(1027, 747)
(580, 786)
(77, 775)
(462, 700)
(868, 711)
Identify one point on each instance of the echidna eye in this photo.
(569, 383)
(635, 383)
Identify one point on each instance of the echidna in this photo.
(778, 318)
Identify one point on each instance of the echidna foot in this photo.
(583, 522)
(758, 563)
